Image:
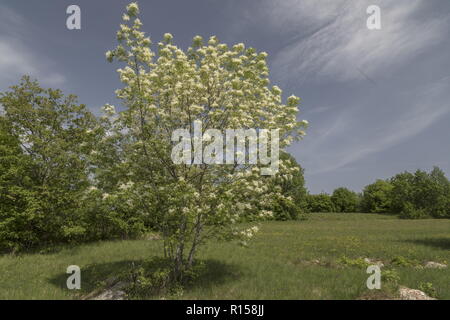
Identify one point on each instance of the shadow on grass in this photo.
(214, 273)
(100, 276)
(440, 243)
(96, 276)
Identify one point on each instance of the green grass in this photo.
(277, 265)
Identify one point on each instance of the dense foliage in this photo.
(412, 195)
(47, 142)
(377, 197)
(421, 194)
(45, 168)
(409, 195)
(345, 200)
(292, 205)
(319, 203)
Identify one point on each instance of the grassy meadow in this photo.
(314, 259)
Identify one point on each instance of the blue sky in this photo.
(378, 101)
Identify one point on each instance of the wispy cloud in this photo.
(17, 57)
(337, 45)
(327, 45)
(431, 103)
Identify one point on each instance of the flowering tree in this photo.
(224, 88)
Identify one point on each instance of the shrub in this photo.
(421, 194)
(109, 216)
(290, 204)
(390, 276)
(428, 288)
(401, 261)
(358, 262)
(319, 203)
(377, 197)
(411, 195)
(146, 284)
(409, 211)
(345, 200)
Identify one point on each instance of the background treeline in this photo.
(61, 180)
(410, 195)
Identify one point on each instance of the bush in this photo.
(409, 211)
(358, 262)
(421, 194)
(411, 195)
(319, 203)
(377, 197)
(108, 216)
(155, 277)
(345, 200)
(401, 261)
(390, 276)
(146, 284)
(290, 204)
(428, 288)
